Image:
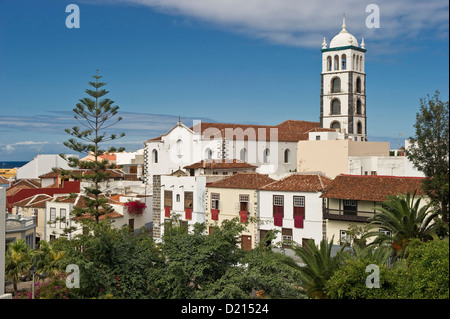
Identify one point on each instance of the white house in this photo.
(59, 217)
(292, 205)
(179, 195)
(42, 164)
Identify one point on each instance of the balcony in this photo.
(347, 215)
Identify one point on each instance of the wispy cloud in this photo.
(305, 23)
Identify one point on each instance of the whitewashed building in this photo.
(292, 206)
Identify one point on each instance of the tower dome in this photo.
(344, 38)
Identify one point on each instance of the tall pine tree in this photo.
(96, 114)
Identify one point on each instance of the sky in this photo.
(229, 61)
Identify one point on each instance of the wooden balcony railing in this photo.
(346, 215)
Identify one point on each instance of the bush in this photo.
(422, 274)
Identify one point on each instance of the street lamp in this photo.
(33, 271)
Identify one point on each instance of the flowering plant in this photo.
(135, 207)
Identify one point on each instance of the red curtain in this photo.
(214, 214)
(243, 216)
(278, 219)
(298, 221)
(167, 211)
(188, 213)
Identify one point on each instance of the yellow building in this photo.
(236, 197)
(331, 157)
(8, 172)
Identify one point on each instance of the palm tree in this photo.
(405, 218)
(319, 265)
(18, 261)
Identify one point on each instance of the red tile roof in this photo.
(299, 183)
(371, 187)
(220, 164)
(37, 201)
(113, 173)
(288, 131)
(243, 181)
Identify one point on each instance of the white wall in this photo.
(312, 226)
(42, 164)
(179, 185)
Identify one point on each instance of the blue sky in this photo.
(232, 61)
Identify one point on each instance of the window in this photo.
(317, 137)
(359, 128)
(208, 153)
(329, 63)
(178, 198)
(344, 237)
(266, 155)
(167, 203)
(336, 85)
(286, 155)
(336, 63)
(188, 204)
(243, 155)
(358, 107)
(52, 217)
(299, 211)
(335, 107)
(215, 197)
(335, 125)
(278, 200)
(373, 172)
(154, 156)
(358, 85)
(344, 62)
(350, 206)
(179, 148)
(286, 234)
(62, 217)
(243, 200)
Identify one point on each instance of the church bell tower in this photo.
(343, 86)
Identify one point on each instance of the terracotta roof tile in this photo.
(371, 187)
(37, 201)
(220, 164)
(299, 183)
(244, 181)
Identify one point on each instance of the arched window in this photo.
(266, 156)
(335, 125)
(336, 85)
(357, 63)
(179, 148)
(335, 107)
(353, 62)
(243, 155)
(154, 156)
(344, 62)
(287, 152)
(336, 63)
(359, 128)
(358, 107)
(361, 63)
(329, 63)
(358, 85)
(208, 153)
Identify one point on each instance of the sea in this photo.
(11, 164)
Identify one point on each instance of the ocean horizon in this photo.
(12, 164)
